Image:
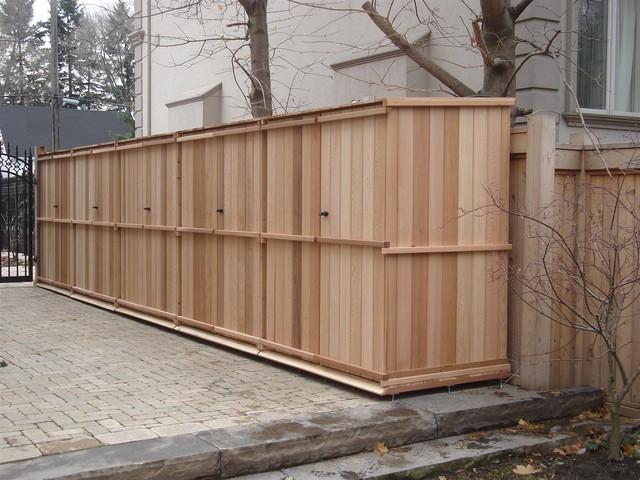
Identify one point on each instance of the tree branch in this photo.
(518, 9)
(546, 52)
(478, 40)
(458, 87)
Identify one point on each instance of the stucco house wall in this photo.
(185, 76)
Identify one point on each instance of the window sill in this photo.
(595, 120)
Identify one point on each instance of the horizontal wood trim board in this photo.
(333, 117)
(162, 139)
(236, 131)
(354, 242)
(449, 102)
(274, 349)
(162, 228)
(568, 160)
(446, 249)
(132, 146)
(154, 143)
(94, 301)
(622, 159)
(142, 226)
(98, 151)
(243, 337)
(237, 233)
(286, 237)
(83, 153)
(77, 222)
(135, 313)
(180, 320)
(218, 133)
(630, 409)
(208, 231)
(504, 369)
(91, 294)
(289, 123)
(444, 382)
(193, 138)
(291, 351)
(322, 360)
(59, 286)
(324, 371)
(138, 226)
(518, 141)
(448, 368)
(217, 339)
(145, 309)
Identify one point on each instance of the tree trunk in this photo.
(499, 38)
(615, 438)
(260, 76)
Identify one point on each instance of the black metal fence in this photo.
(16, 215)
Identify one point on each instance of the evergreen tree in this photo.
(106, 58)
(91, 77)
(118, 56)
(23, 75)
(70, 16)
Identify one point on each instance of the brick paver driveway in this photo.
(79, 377)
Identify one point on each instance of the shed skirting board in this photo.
(400, 382)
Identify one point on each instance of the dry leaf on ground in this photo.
(380, 449)
(527, 427)
(478, 436)
(526, 470)
(600, 415)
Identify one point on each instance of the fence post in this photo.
(532, 338)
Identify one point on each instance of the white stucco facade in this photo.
(186, 77)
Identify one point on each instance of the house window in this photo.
(609, 56)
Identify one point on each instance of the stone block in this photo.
(281, 443)
(181, 457)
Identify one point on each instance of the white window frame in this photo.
(612, 6)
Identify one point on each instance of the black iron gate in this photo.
(16, 216)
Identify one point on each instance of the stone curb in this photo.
(179, 457)
(418, 460)
(545, 406)
(277, 444)
(259, 448)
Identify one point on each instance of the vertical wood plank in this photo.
(464, 331)
(391, 227)
(478, 320)
(435, 227)
(450, 235)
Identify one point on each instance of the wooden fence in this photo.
(544, 353)
(329, 240)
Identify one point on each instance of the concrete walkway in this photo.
(90, 394)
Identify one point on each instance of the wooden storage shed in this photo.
(330, 240)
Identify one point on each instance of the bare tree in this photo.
(260, 75)
(585, 275)
(491, 33)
